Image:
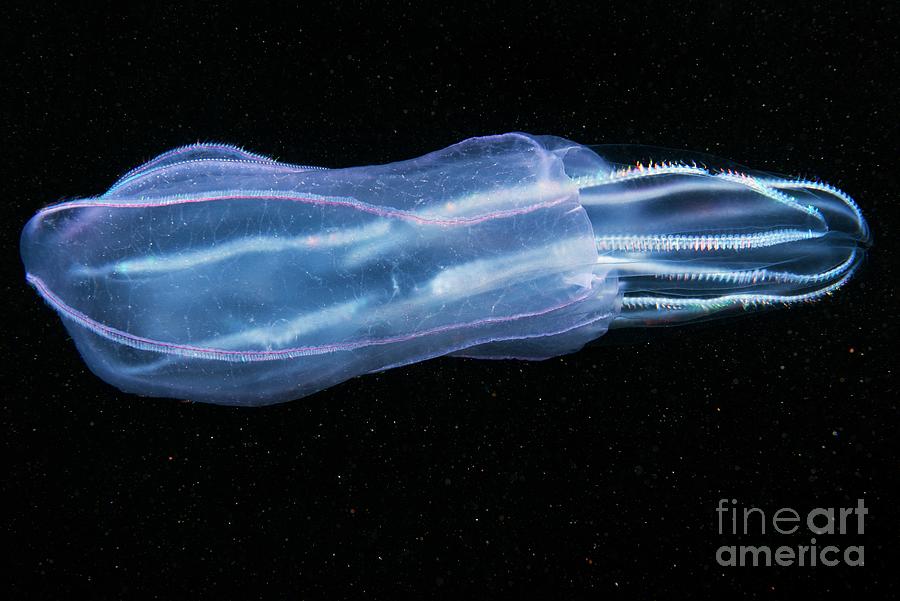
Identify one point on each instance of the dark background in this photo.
(583, 476)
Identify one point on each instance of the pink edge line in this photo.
(142, 343)
(324, 201)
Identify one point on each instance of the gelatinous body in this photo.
(218, 275)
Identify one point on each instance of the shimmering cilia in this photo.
(214, 274)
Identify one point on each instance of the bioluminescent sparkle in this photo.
(218, 275)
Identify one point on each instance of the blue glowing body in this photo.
(218, 275)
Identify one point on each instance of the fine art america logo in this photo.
(820, 521)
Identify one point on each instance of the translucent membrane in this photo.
(218, 275)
